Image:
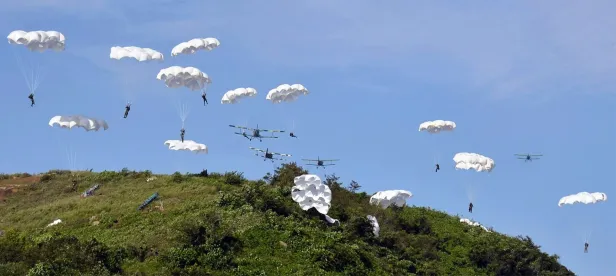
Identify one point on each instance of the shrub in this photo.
(47, 177)
(177, 177)
(234, 178)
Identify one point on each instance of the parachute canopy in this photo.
(140, 54)
(38, 40)
(192, 46)
(375, 225)
(55, 222)
(583, 197)
(387, 198)
(190, 77)
(310, 192)
(437, 126)
(233, 96)
(286, 93)
(188, 145)
(478, 162)
(472, 223)
(78, 121)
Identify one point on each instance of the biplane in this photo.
(268, 154)
(256, 132)
(320, 163)
(528, 157)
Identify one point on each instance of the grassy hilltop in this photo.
(224, 224)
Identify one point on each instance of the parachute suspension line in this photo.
(587, 236)
(29, 82)
(36, 78)
(33, 80)
(183, 111)
(71, 157)
(469, 192)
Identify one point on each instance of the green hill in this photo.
(227, 225)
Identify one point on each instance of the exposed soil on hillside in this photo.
(10, 186)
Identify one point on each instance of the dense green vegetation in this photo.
(223, 224)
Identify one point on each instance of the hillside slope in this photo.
(226, 225)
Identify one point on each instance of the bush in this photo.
(234, 178)
(177, 177)
(57, 254)
(47, 177)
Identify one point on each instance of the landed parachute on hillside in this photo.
(233, 96)
(39, 41)
(84, 122)
(437, 126)
(473, 223)
(387, 198)
(189, 77)
(194, 45)
(375, 225)
(286, 93)
(477, 162)
(310, 192)
(582, 197)
(140, 54)
(188, 145)
(55, 222)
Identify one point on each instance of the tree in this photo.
(332, 181)
(285, 174)
(353, 186)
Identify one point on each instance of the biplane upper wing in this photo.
(281, 154)
(241, 127)
(330, 160)
(271, 130)
(256, 149)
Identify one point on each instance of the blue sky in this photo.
(515, 77)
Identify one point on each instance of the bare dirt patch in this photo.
(13, 185)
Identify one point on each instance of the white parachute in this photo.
(437, 126)
(584, 222)
(188, 145)
(375, 225)
(478, 162)
(35, 41)
(189, 77)
(233, 96)
(310, 192)
(140, 54)
(286, 93)
(55, 222)
(582, 197)
(39, 41)
(193, 45)
(389, 197)
(78, 121)
(472, 223)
